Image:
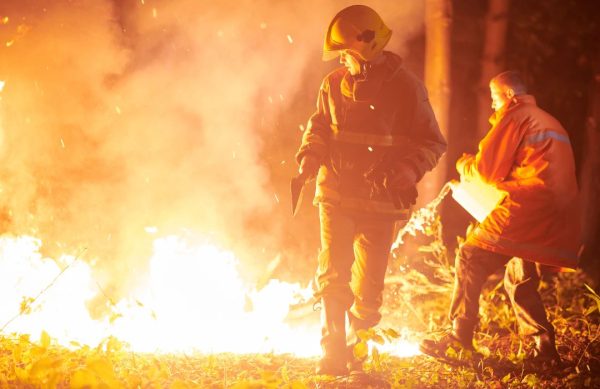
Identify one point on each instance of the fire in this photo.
(193, 300)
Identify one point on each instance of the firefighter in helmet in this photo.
(371, 140)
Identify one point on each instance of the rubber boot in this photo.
(545, 348)
(356, 324)
(455, 345)
(333, 339)
(463, 330)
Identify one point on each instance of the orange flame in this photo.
(193, 300)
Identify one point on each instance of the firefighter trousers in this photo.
(473, 267)
(353, 261)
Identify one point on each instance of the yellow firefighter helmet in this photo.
(358, 28)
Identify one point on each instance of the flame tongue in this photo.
(200, 302)
(194, 299)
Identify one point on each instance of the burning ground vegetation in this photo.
(418, 290)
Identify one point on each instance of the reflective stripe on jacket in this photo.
(358, 123)
(528, 154)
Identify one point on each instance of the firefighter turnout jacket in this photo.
(528, 154)
(380, 117)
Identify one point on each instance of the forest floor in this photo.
(417, 296)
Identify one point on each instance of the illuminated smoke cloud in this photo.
(123, 121)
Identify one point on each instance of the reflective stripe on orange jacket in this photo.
(359, 122)
(528, 154)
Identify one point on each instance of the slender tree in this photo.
(589, 179)
(438, 24)
(493, 58)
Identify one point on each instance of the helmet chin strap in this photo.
(367, 66)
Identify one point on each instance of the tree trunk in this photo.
(590, 180)
(493, 59)
(438, 23)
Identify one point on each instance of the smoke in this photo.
(122, 121)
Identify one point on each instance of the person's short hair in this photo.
(511, 79)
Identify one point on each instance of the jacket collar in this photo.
(515, 102)
(364, 89)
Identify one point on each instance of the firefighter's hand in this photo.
(404, 199)
(309, 167)
(376, 177)
(401, 186)
(462, 162)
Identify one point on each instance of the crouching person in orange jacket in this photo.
(527, 153)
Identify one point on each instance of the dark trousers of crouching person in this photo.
(474, 266)
(350, 277)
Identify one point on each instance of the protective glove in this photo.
(401, 186)
(377, 176)
(399, 182)
(309, 167)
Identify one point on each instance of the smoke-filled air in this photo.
(130, 126)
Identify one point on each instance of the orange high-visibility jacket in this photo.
(360, 122)
(528, 154)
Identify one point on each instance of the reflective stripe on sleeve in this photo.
(363, 138)
(332, 196)
(543, 135)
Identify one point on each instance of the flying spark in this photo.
(151, 229)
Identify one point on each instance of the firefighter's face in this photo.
(351, 61)
(501, 96)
